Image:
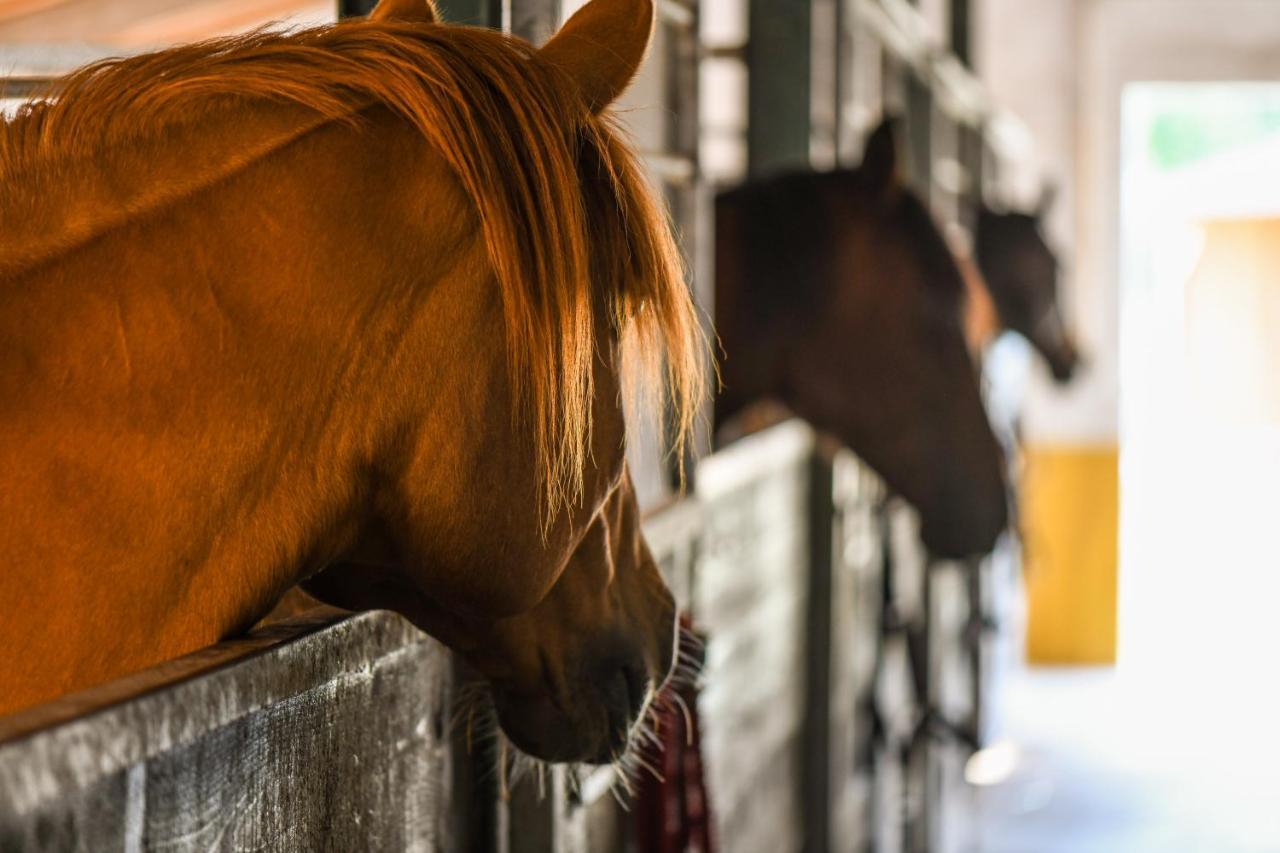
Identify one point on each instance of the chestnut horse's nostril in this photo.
(623, 693)
(637, 681)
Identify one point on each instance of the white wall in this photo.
(1062, 66)
(1027, 53)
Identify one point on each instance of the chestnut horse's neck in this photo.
(194, 382)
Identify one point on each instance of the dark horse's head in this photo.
(837, 295)
(1021, 272)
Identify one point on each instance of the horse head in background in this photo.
(1021, 274)
(352, 306)
(837, 295)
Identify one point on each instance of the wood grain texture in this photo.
(323, 733)
(750, 598)
(330, 731)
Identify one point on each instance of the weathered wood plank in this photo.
(750, 597)
(323, 733)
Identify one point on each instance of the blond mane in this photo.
(572, 230)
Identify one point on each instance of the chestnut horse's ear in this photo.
(407, 11)
(601, 47)
(880, 162)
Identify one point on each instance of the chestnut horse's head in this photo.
(502, 515)
(837, 294)
(1022, 275)
(365, 302)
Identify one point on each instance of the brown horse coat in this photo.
(356, 300)
(837, 295)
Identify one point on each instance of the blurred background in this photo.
(1133, 698)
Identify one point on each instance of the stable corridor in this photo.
(1104, 761)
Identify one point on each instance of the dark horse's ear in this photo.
(407, 11)
(880, 163)
(601, 47)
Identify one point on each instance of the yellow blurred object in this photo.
(1070, 504)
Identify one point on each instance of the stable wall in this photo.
(1062, 66)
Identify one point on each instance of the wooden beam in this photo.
(134, 24)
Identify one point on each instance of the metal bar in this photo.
(480, 13)
(975, 635)
(779, 92)
(962, 31)
(29, 87)
(355, 8)
(816, 772)
(534, 20)
(920, 134)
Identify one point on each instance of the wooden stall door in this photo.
(328, 732)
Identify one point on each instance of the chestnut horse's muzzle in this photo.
(592, 725)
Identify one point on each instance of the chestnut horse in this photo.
(837, 296)
(360, 299)
(1021, 275)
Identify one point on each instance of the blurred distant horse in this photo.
(1021, 274)
(351, 306)
(837, 296)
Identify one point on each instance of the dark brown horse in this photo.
(1021, 273)
(837, 296)
(352, 307)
